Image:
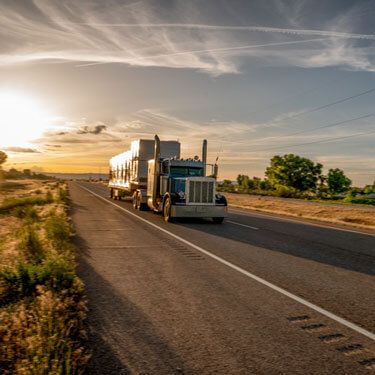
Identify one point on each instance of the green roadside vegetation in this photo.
(42, 306)
(292, 176)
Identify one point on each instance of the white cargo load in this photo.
(128, 170)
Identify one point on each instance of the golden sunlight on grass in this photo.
(349, 215)
(42, 309)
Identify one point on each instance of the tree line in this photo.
(14, 174)
(295, 176)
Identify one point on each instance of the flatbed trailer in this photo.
(156, 178)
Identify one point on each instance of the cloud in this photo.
(90, 33)
(97, 129)
(21, 149)
(263, 29)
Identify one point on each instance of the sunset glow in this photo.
(89, 77)
(22, 119)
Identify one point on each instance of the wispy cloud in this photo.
(21, 150)
(300, 32)
(97, 33)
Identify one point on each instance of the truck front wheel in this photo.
(167, 210)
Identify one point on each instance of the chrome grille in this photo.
(201, 191)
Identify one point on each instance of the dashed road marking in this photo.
(292, 296)
(241, 225)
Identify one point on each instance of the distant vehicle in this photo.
(156, 178)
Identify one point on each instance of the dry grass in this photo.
(41, 298)
(349, 215)
(21, 189)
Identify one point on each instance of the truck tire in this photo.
(218, 220)
(135, 201)
(167, 210)
(111, 193)
(140, 206)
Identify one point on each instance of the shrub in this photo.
(49, 197)
(58, 231)
(9, 186)
(11, 203)
(286, 192)
(55, 274)
(360, 200)
(26, 212)
(43, 336)
(63, 195)
(31, 245)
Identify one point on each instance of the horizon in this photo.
(79, 81)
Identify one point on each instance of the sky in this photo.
(80, 79)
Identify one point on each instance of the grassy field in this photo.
(350, 215)
(42, 309)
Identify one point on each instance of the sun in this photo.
(22, 119)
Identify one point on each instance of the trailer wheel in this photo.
(111, 193)
(167, 210)
(140, 205)
(218, 220)
(135, 200)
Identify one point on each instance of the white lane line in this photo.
(320, 310)
(241, 225)
(302, 222)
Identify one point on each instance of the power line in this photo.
(317, 109)
(330, 125)
(329, 104)
(319, 127)
(286, 98)
(307, 130)
(315, 142)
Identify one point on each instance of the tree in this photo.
(27, 173)
(337, 181)
(257, 183)
(264, 184)
(3, 157)
(243, 181)
(294, 171)
(226, 183)
(240, 178)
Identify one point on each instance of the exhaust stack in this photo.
(204, 156)
(156, 170)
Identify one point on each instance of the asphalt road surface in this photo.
(256, 295)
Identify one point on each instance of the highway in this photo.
(258, 294)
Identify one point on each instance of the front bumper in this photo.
(199, 211)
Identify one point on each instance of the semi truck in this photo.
(155, 177)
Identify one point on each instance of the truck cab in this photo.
(180, 188)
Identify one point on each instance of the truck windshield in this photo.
(185, 171)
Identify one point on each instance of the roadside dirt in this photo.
(360, 217)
